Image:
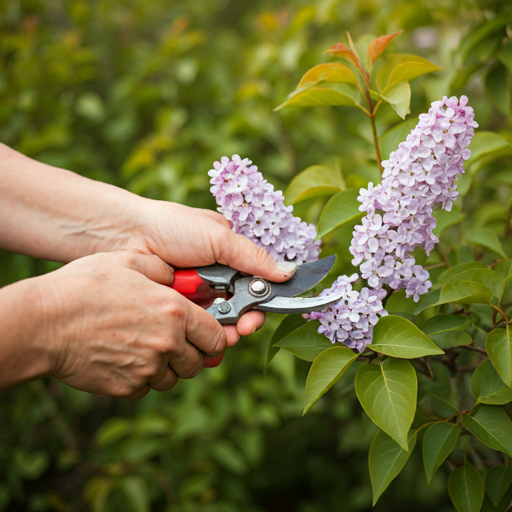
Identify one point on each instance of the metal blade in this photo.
(306, 276)
(290, 305)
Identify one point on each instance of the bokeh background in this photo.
(147, 95)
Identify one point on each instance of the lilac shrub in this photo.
(258, 211)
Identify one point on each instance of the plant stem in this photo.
(375, 138)
(501, 313)
(475, 349)
(443, 256)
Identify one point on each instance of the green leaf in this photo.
(504, 269)
(31, 465)
(466, 489)
(439, 441)
(314, 96)
(113, 430)
(325, 371)
(332, 72)
(398, 95)
(391, 139)
(488, 387)
(395, 336)
(445, 330)
(387, 392)
(386, 459)
(136, 492)
(229, 457)
(492, 426)
(505, 56)
(497, 86)
(487, 144)
(450, 340)
(499, 347)
(305, 342)
(289, 324)
(486, 238)
(446, 219)
(314, 181)
(465, 292)
(440, 324)
(97, 491)
(403, 67)
(339, 211)
(451, 273)
(497, 482)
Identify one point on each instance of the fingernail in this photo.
(286, 266)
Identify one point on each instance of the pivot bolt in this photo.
(258, 287)
(224, 307)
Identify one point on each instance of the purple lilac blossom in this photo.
(258, 211)
(420, 174)
(351, 320)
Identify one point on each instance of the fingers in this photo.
(164, 382)
(187, 361)
(232, 335)
(203, 331)
(237, 251)
(151, 266)
(137, 395)
(250, 322)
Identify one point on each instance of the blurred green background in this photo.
(147, 95)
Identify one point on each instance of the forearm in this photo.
(55, 214)
(25, 354)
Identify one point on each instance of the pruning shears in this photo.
(227, 294)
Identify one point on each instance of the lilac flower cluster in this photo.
(258, 211)
(419, 175)
(351, 320)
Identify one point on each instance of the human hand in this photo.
(114, 330)
(192, 237)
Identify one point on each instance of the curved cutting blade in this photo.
(306, 276)
(290, 305)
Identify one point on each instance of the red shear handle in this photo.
(190, 285)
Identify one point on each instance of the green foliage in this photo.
(146, 95)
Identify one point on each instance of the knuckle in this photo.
(219, 342)
(261, 255)
(195, 368)
(175, 309)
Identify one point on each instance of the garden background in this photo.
(147, 95)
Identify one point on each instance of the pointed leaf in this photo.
(499, 347)
(398, 95)
(465, 292)
(377, 46)
(504, 269)
(453, 272)
(492, 426)
(325, 371)
(403, 67)
(466, 489)
(395, 336)
(488, 387)
(497, 482)
(441, 324)
(305, 342)
(387, 392)
(328, 72)
(386, 459)
(314, 181)
(340, 210)
(487, 144)
(446, 219)
(289, 324)
(450, 340)
(486, 238)
(342, 51)
(314, 96)
(439, 441)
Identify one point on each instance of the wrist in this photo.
(24, 349)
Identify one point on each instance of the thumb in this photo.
(242, 254)
(152, 267)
